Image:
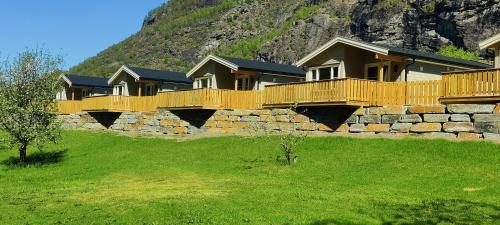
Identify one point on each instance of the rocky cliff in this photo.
(178, 34)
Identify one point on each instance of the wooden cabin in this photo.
(77, 87)
(347, 58)
(240, 74)
(135, 81)
(492, 43)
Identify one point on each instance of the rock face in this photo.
(178, 34)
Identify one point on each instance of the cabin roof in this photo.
(251, 65)
(85, 81)
(391, 50)
(152, 74)
(491, 42)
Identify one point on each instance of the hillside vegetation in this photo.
(178, 34)
(101, 178)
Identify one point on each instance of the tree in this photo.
(28, 86)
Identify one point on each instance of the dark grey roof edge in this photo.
(283, 69)
(88, 80)
(161, 75)
(432, 57)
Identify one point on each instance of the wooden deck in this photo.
(457, 87)
(471, 86)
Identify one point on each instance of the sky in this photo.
(75, 29)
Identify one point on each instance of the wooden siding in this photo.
(479, 85)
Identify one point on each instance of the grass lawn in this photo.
(101, 178)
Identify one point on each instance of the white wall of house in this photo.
(427, 71)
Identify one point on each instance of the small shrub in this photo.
(455, 52)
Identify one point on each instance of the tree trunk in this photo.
(22, 153)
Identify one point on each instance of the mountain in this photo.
(180, 33)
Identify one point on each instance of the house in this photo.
(346, 58)
(134, 81)
(240, 74)
(492, 43)
(77, 87)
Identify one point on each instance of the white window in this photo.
(203, 82)
(246, 83)
(151, 89)
(118, 90)
(325, 72)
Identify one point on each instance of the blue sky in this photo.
(76, 29)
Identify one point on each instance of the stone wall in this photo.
(463, 121)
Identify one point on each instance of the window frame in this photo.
(334, 70)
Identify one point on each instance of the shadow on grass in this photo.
(442, 212)
(35, 159)
(431, 212)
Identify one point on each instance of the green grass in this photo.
(100, 178)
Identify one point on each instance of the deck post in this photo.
(380, 72)
(235, 82)
(139, 90)
(72, 94)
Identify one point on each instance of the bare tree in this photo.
(28, 86)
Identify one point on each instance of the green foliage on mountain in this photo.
(453, 51)
(178, 34)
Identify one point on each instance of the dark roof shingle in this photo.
(87, 81)
(267, 67)
(160, 75)
(432, 57)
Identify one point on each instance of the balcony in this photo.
(471, 86)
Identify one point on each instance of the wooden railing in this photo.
(328, 91)
(69, 106)
(211, 99)
(469, 84)
(481, 85)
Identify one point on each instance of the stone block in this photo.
(282, 118)
(460, 118)
(370, 119)
(356, 128)
(151, 122)
(497, 109)
(439, 135)
(352, 119)
(342, 128)
(377, 128)
(211, 123)
(241, 124)
(325, 127)
(258, 112)
(359, 111)
(425, 127)
(486, 117)
(487, 127)
(299, 118)
(250, 118)
(401, 127)
(468, 136)
(307, 127)
(390, 118)
(220, 118)
(471, 108)
(225, 124)
(436, 118)
(426, 109)
(455, 127)
(276, 112)
(410, 118)
(285, 126)
(386, 110)
(491, 136)
(233, 118)
(267, 118)
(180, 130)
(131, 121)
